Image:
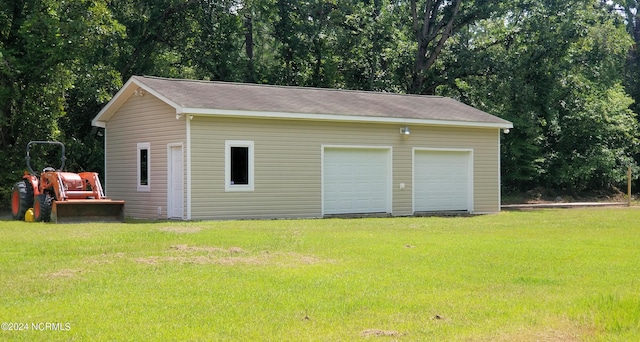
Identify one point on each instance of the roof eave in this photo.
(343, 118)
(136, 86)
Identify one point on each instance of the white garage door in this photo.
(356, 180)
(442, 180)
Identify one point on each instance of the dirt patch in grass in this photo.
(440, 318)
(64, 273)
(233, 250)
(379, 332)
(546, 336)
(187, 248)
(156, 260)
(105, 258)
(152, 260)
(201, 260)
(181, 230)
(249, 260)
(202, 255)
(291, 259)
(564, 332)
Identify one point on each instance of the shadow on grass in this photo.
(5, 215)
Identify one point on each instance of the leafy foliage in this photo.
(556, 71)
(56, 71)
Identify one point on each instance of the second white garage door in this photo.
(442, 180)
(356, 180)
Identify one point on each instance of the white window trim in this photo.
(228, 144)
(140, 187)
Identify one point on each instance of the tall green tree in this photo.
(157, 32)
(215, 50)
(631, 12)
(433, 23)
(370, 44)
(303, 36)
(46, 48)
(92, 62)
(554, 69)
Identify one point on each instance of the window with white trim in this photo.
(144, 167)
(238, 165)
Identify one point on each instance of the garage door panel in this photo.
(442, 180)
(356, 180)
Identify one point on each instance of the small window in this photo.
(238, 165)
(144, 167)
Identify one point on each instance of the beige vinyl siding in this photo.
(288, 163)
(142, 119)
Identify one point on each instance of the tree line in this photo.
(566, 73)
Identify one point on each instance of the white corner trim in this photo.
(499, 171)
(188, 169)
(105, 184)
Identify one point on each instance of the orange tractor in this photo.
(60, 197)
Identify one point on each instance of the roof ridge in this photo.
(286, 86)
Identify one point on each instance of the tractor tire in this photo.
(42, 208)
(21, 199)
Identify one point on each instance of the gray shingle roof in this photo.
(192, 94)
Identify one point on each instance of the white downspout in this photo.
(188, 120)
(105, 162)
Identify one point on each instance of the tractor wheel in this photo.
(21, 199)
(42, 208)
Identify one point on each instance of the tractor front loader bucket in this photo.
(91, 210)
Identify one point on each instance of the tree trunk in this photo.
(431, 35)
(248, 48)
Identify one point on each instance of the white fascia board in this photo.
(344, 118)
(100, 124)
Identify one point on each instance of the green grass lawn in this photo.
(552, 275)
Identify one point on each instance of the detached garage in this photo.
(187, 149)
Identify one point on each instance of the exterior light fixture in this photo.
(505, 131)
(139, 92)
(405, 131)
(180, 115)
